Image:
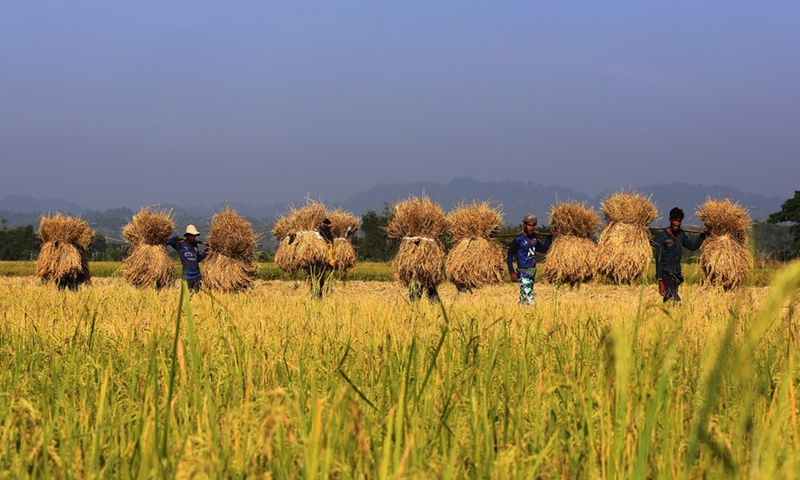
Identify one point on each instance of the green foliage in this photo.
(790, 212)
(20, 243)
(372, 243)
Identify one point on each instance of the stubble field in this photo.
(599, 382)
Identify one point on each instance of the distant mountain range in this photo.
(517, 198)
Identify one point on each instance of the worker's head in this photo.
(191, 232)
(529, 222)
(675, 219)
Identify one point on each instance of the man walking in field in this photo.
(318, 277)
(190, 256)
(668, 255)
(523, 250)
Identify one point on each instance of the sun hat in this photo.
(530, 218)
(191, 230)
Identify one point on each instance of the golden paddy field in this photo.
(598, 382)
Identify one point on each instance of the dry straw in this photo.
(230, 266)
(301, 246)
(344, 226)
(724, 256)
(475, 260)
(149, 263)
(65, 249)
(571, 257)
(418, 223)
(624, 250)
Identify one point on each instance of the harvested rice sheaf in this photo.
(344, 255)
(629, 207)
(570, 260)
(149, 226)
(228, 274)
(302, 248)
(623, 252)
(418, 222)
(419, 261)
(724, 257)
(148, 264)
(65, 249)
(475, 260)
(574, 219)
(473, 263)
(344, 226)
(230, 267)
(474, 220)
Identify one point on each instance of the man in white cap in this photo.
(190, 256)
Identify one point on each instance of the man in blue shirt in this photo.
(668, 255)
(523, 250)
(190, 256)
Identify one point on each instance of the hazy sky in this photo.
(111, 103)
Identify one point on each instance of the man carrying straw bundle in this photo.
(725, 258)
(668, 255)
(190, 256)
(523, 250)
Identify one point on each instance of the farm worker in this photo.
(523, 249)
(190, 256)
(318, 278)
(668, 254)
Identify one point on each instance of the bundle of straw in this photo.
(344, 226)
(148, 264)
(724, 256)
(418, 223)
(301, 246)
(230, 266)
(624, 251)
(65, 249)
(475, 260)
(572, 255)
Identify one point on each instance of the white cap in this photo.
(191, 230)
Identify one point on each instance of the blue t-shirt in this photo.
(523, 250)
(190, 257)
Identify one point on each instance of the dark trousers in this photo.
(671, 282)
(415, 293)
(194, 284)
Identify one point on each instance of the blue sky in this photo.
(110, 103)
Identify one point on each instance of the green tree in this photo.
(372, 243)
(790, 212)
(20, 243)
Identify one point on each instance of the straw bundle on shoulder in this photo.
(418, 223)
(571, 257)
(149, 226)
(230, 265)
(724, 256)
(475, 260)
(632, 208)
(302, 248)
(624, 251)
(65, 249)
(344, 226)
(149, 263)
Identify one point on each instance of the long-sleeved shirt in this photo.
(668, 251)
(523, 249)
(190, 257)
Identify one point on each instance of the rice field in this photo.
(601, 381)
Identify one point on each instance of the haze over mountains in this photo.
(516, 197)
